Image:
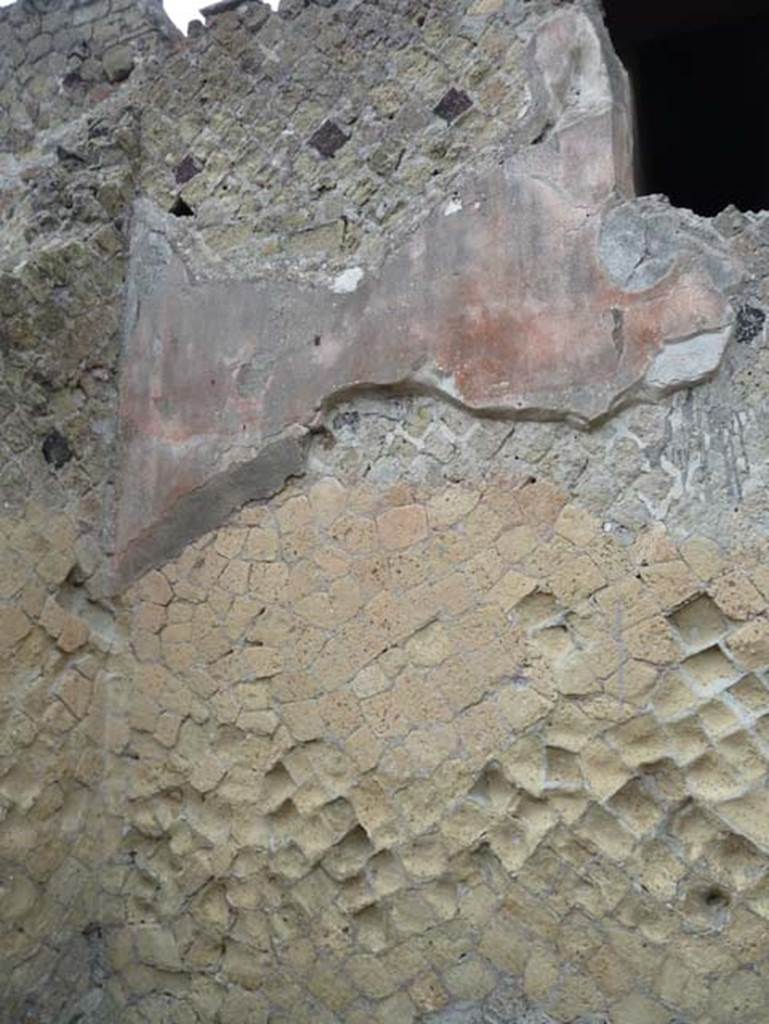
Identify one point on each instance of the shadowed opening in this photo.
(700, 79)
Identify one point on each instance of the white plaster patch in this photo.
(454, 205)
(682, 363)
(346, 282)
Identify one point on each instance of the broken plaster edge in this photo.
(209, 506)
(285, 457)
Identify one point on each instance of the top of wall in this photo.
(429, 195)
(59, 57)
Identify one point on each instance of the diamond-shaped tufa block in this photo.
(186, 169)
(328, 138)
(453, 104)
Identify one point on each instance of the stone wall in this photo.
(383, 574)
(68, 151)
(396, 750)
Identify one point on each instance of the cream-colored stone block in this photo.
(575, 579)
(750, 644)
(430, 645)
(484, 569)
(364, 748)
(710, 671)
(536, 610)
(55, 566)
(540, 502)
(660, 870)
(602, 831)
(553, 643)
(328, 500)
(450, 506)
(522, 706)
(408, 703)
(470, 980)
(569, 727)
(412, 915)
(741, 751)
(738, 996)
(718, 719)
(149, 618)
(752, 694)
(155, 588)
(634, 806)
(652, 640)
(294, 514)
(402, 527)
(235, 577)
(563, 769)
(481, 527)
(711, 779)
(627, 602)
(261, 544)
(478, 628)
(341, 712)
(603, 769)
(639, 741)
(485, 7)
(671, 583)
(541, 974)
(524, 763)
(759, 575)
(76, 691)
(303, 720)
(574, 674)
(52, 618)
(429, 747)
(244, 965)
(268, 582)
(699, 622)
(260, 662)
(652, 546)
(687, 739)
(632, 683)
(332, 563)
(428, 993)
(577, 525)
(207, 772)
(578, 993)
(356, 534)
(464, 824)
(674, 697)
(371, 976)
(243, 1007)
(516, 544)
(736, 596)
(703, 556)
(156, 946)
(638, 1009)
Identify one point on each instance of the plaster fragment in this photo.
(688, 362)
(348, 281)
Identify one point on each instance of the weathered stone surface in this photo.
(468, 792)
(118, 63)
(470, 722)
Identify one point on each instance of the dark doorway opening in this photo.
(700, 74)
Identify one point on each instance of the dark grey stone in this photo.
(453, 104)
(328, 139)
